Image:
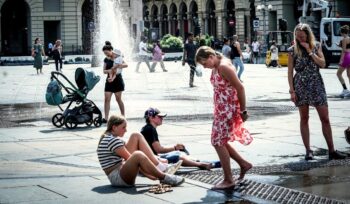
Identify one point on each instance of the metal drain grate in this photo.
(268, 191)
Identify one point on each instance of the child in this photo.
(122, 161)
(229, 113)
(116, 69)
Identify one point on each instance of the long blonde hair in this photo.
(310, 38)
(204, 52)
(113, 120)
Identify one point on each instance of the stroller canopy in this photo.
(85, 79)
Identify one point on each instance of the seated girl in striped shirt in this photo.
(122, 161)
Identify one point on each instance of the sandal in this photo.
(160, 189)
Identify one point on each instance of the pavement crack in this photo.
(52, 191)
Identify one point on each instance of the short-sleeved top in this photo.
(151, 135)
(105, 151)
(142, 46)
(190, 49)
(109, 64)
(274, 52)
(226, 51)
(255, 46)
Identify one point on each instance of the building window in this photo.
(52, 5)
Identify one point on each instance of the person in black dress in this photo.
(115, 87)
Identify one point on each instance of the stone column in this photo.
(160, 22)
(206, 23)
(219, 27)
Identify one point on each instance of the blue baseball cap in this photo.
(151, 112)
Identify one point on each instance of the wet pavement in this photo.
(45, 164)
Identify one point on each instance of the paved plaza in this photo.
(40, 163)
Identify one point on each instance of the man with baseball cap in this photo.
(154, 118)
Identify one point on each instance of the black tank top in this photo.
(234, 51)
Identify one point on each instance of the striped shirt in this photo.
(105, 151)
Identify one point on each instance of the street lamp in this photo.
(263, 8)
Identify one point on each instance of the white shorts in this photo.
(115, 178)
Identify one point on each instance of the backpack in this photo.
(53, 94)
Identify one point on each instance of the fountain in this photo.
(112, 25)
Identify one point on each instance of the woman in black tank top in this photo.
(236, 56)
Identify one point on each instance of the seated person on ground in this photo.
(122, 161)
(154, 118)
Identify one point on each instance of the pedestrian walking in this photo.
(158, 56)
(226, 49)
(115, 86)
(344, 63)
(236, 56)
(122, 161)
(306, 86)
(188, 56)
(256, 51)
(229, 113)
(172, 153)
(37, 53)
(143, 56)
(57, 52)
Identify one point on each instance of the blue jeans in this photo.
(238, 63)
(172, 157)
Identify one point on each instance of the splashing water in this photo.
(112, 26)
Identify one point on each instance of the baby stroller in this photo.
(84, 109)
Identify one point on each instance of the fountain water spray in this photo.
(112, 25)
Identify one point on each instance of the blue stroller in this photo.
(84, 109)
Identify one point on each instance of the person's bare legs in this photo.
(107, 104)
(304, 126)
(348, 74)
(138, 159)
(118, 97)
(189, 162)
(243, 164)
(138, 142)
(224, 157)
(326, 126)
(340, 75)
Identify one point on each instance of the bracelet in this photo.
(290, 91)
(311, 53)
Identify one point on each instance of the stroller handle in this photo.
(55, 74)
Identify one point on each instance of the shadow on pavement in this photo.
(108, 189)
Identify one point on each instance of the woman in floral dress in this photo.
(307, 88)
(229, 113)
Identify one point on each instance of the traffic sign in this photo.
(256, 23)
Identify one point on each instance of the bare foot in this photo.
(205, 166)
(223, 185)
(244, 170)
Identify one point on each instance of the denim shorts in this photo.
(172, 157)
(115, 178)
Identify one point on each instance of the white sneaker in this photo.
(172, 180)
(344, 93)
(172, 168)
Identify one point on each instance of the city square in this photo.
(249, 98)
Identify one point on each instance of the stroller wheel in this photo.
(58, 120)
(97, 122)
(89, 123)
(69, 122)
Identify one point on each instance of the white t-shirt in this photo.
(142, 48)
(119, 60)
(274, 52)
(256, 46)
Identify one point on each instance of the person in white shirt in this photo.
(256, 47)
(274, 55)
(143, 55)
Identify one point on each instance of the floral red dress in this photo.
(228, 124)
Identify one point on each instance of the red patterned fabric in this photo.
(228, 124)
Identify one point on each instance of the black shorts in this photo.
(116, 85)
(255, 54)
